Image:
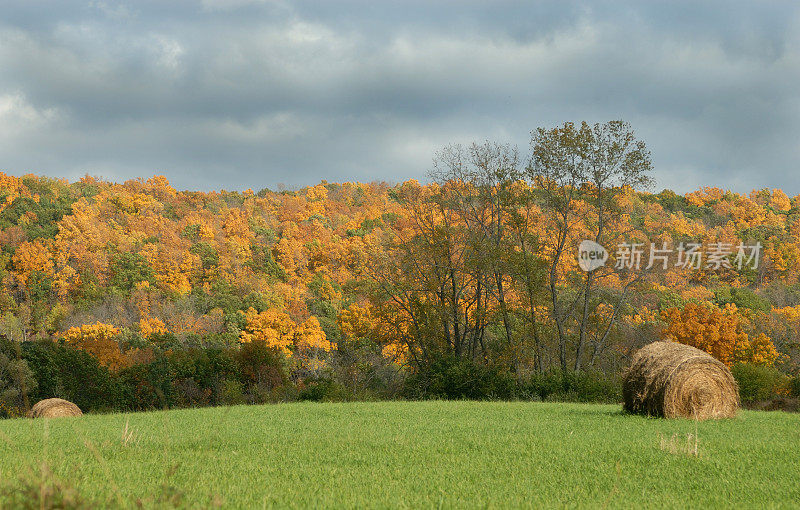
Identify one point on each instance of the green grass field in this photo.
(409, 455)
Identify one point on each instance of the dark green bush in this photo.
(65, 372)
(460, 378)
(17, 381)
(188, 393)
(261, 369)
(759, 382)
(542, 385)
(573, 387)
(231, 392)
(191, 377)
(202, 375)
(183, 377)
(261, 364)
(198, 375)
(794, 386)
(358, 365)
(207, 366)
(591, 387)
(148, 386)
(324, 390)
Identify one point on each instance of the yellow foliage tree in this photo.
(780, 201)
(309, 335)
(274, 327)
(356, 321)
(12, 187)
(277, 329)
(99, 340)
(30, 257)
(150, 326)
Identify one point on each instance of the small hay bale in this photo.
(674, 380)
(54, 408)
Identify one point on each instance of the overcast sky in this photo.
(236, 94)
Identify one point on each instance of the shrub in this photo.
(16, 380)
(592, 387)
(460, 378)
(573, 387)
(260, 395)
(759, 382)
(65, 372)
(324, 390)
(358, 365)
(148, 386)
(189, 394)
(261, 364)
(199, 373)
(262, 369)
(794, 386)
(542, 384)
(231, 392)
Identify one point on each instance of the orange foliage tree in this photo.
(456, 265)
(99, 340)
(718, 331)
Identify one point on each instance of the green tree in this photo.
(128, 269)
(17, 381)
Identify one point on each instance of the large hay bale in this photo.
(54, 408)
(674, 380)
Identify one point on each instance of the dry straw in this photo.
(675, 380)
(54, 408)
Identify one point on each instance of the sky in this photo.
(237, 94)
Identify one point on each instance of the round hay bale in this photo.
(674, 380)
(54, 408)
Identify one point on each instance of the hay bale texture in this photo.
(674, 380)
(54, 408)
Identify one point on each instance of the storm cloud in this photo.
(236, 94)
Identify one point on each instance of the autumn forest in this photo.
(466, 286)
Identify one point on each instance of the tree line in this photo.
(367, 283)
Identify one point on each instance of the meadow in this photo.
(443, 454)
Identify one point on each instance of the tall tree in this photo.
(481, 179)
(590, 164)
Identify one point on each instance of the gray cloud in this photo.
(246, 93)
